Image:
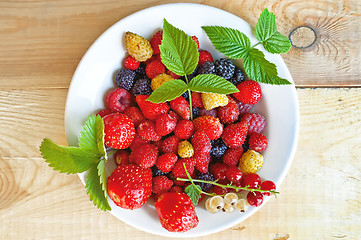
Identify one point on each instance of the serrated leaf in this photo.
(194, 193)
(168, 91)
(67, 159)
(94, 189)
(92, 136)
(259, 69)
(266, 32)
(102, 176)
(178, 51)
(211, 83)
(231, 42)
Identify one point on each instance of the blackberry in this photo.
(125, 78)
(140, 71)
(190, 76)
(207, 68)
(195, 112)
(186, 95)
(238, 77)
(218, 149)
(156, 172)
(142, 87)
(224, 68)
(206, 177)
(245, 145)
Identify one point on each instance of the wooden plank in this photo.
(42, 42)
(320, 197)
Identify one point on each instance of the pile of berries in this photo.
(222, 142)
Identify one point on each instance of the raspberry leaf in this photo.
(231, 42)
(266, 32)
(259, 69)
(178, 50)
(211, 83)
(94, 186)
(194, 193)
(168, 91)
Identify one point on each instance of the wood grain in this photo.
(320, 197)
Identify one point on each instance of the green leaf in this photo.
(178, 51)
(212, 84)
(194, 192)
(102, 176)
(168, 91)
(94, 187)
(231, 42)
(67, 159)
(266, 32)
(92, 136)
(259, 69)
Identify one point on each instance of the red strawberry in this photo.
(229, 113)
(232, 156)
(256, 122)
(197, 100)
(135, 115)
(176, 189)
(118, 100)
(196, 40)
(257, 142)
(151, 110)
(147, 131)
(204, 56)
(166, 162)
(201, 143)
(161, 184)
(130, 186)
(184, 129)
(202, 162)
(165, 124)
(131, 63)
(144, 156)
(235, 134)
(172, 74)
(173, 114)
(154, 68)
(156, 41)
(176, 212)
(121, 157)
(102, 113)
(210, 125)
(137, 141)
(170, 145)
(178, 169)
(249, 92)
(181, 106)
(119, 131)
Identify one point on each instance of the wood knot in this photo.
(302, 37)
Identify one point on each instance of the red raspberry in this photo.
(242, 107)
(144, 156)
(119, 131)
(156, 41)
(249, 92)
(196, 40)
(234, 174)
(181, 107)
(184, 129)
(201, 143)
(235, 134)
(205, 112)
(166, 162)
(154, 68)
(170, 145)
(118, 99)
(197, 100)
(151, 110)
(268, 185)
(147, 131)
(178, 169)
(210, 125)
(252, 180)
(257, 142)
(177, 189)
(135, 114)
(172, 74)
(161, 184)
(204, 56)
(219, 170)
(165, 124)
(255, 199)
(137, 141)
(121, 157)
(102, 113)
(256, 122)
(232, 156)
(229, 113)
(131, 63)
(202, 162)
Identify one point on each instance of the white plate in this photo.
(94, 76)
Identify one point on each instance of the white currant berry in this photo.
(216, 202)
(208, 207)
(230, 198)
(228, 208)
(241, 205)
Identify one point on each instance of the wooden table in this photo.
(41, 45)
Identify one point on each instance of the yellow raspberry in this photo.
(185, 149)
(213, 100)
(138, 47)
(251, 162)
(159, 80)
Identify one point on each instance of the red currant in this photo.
(255, 199)
(252, 180)
(219, 170)
(234, 174)
(268, 185)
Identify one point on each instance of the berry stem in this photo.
(256, 44)
(190, 97)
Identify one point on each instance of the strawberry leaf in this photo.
(194, 192)
(211, 83)
(168, 91)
